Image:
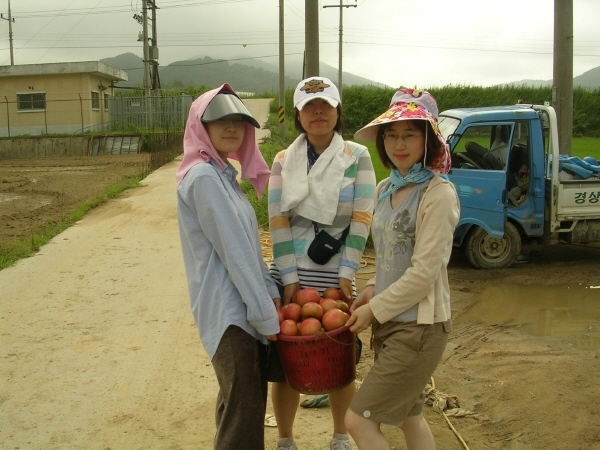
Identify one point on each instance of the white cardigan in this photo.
(437, 217)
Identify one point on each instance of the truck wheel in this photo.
(486, 252)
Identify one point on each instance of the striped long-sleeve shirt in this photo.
(292, 234)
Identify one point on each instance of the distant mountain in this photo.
(130, 63)
(248, 75)
(293, 68)
(255, 75)
(589, 80)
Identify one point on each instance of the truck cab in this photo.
(514, 185)
(498, 164)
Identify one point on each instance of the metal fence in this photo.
(148, 113)
(80, 115)
(54, 147)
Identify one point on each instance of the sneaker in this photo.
(287, 444)
(340, 442)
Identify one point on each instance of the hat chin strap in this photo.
(425, 153)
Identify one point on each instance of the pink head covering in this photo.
(198, 148)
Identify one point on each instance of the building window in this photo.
(31, 102)
(95, 100)
(106, 97)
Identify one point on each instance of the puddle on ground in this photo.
(565, 312)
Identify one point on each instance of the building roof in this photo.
(91, 67)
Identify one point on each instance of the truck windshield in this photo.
(448, 125)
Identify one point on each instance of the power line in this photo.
(112, 10)
(365, 36)
(491, 50)
(370, 44)
(77, 23)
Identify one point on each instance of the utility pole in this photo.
(311, 38)
(281, 73)
(153, 54)
(562, 77)
(143, 20)
(146, 48)
(341, 6)
(11, 20)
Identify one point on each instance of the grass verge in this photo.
(271, 146)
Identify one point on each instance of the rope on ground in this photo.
(445, 402)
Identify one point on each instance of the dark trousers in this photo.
(240, 365)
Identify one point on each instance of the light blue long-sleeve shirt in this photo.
(228, 281)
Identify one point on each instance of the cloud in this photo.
(413, 43)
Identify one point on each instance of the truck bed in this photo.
(578, 199)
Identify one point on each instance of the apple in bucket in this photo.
(310, 326)
(311, 309)
(289, 328)
(291, 311)
(327, 304)
(341, 304)
(308, 295)
(333, 293)
(334, 319)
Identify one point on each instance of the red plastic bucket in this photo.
(318, 364)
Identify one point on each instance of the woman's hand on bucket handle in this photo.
(288, 292)
(346, 289)
(360, 319)
(363, 298)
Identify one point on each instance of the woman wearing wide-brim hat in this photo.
(408, 301)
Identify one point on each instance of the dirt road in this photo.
(98, 349)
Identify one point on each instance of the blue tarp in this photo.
(577, 166)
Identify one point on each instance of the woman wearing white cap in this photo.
(320, 183)
(408, 301)
(232, 296)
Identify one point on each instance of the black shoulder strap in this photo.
(342, 238)
(345, 233)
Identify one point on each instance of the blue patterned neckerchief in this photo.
(417, 174)
(311, 154)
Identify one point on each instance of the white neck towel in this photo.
(314, 195)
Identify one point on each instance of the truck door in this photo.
(478, 173)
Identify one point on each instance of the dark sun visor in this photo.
(223, 105)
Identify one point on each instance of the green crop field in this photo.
(581, 147)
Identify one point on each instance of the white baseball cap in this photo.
(316, 87)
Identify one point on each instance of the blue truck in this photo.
(515, 186)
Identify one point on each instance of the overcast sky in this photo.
(416, 43)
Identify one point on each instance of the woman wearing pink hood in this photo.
(408, 301)
(231, 293)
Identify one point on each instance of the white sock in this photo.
(341, 437)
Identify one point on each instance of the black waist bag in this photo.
(324, 245)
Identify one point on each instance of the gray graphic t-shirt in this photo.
(393, 232)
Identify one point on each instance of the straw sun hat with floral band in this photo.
(410, 104)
